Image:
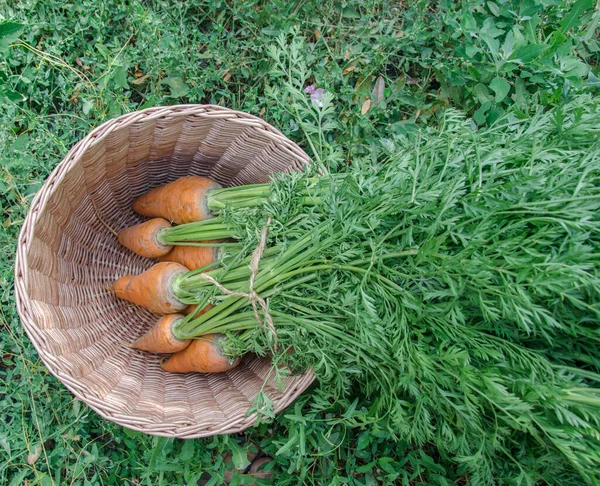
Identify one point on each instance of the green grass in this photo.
(387, 67)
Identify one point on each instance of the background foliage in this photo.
(386, 67)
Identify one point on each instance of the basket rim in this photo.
(37, 206)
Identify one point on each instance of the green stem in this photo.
(199, 231)
(274, 271)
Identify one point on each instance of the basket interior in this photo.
(68, 258)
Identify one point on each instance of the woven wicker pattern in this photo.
(67, 258)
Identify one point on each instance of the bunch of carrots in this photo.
(452, 286)
(179, 202)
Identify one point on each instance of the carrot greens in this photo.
(453, 283)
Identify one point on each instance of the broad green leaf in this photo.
(557, 39)
(87, 106)
(593, 81)
(501, 87)
(134, 434)
(537, 78)
(492, 44)
(213, 481)
(350, 13)
(489, 29)
(494, 8)
(519, 38)
(520, 91)
(388, 144)
(592, 45)
(5, 444)
(350, 410)
(471, 50)
(9, 32)
(17, 479)
(44, 479)
(508, 45)
(573, 18)
(366, 467)
(9, 29)
(159, 446)
(468, 22)
(387, 464)
(20, 144)
(271, 31)
(475, 73)
(527, 8)
(291, 442)
(76, 407)
(482, 93)
(178, 86)
(565, 90)
(363, 440)
(239, 456)
(531, 31)
(120, 77)
(479, 115)
(489, 34)
(530, 52)
(347, 12)
(494, 113)
(11, 95)
(574, 68)
(103, 50)
(187, 451)
(408, 100)
(403, 127)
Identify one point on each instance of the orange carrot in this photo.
(192, 257)
(192, 308)
(160, 339)
(143, 238)
(153, 288)
(181, 201)
(120, 286)
(204, 355)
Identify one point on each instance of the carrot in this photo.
(204, 355)
(143, 238)
(190, 309)
(160, 339)
(153, 288)
(192, 257)
(120, 286)
(181, 201)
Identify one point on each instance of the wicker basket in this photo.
(67, 258)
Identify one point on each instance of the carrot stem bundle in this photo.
(454, 286)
